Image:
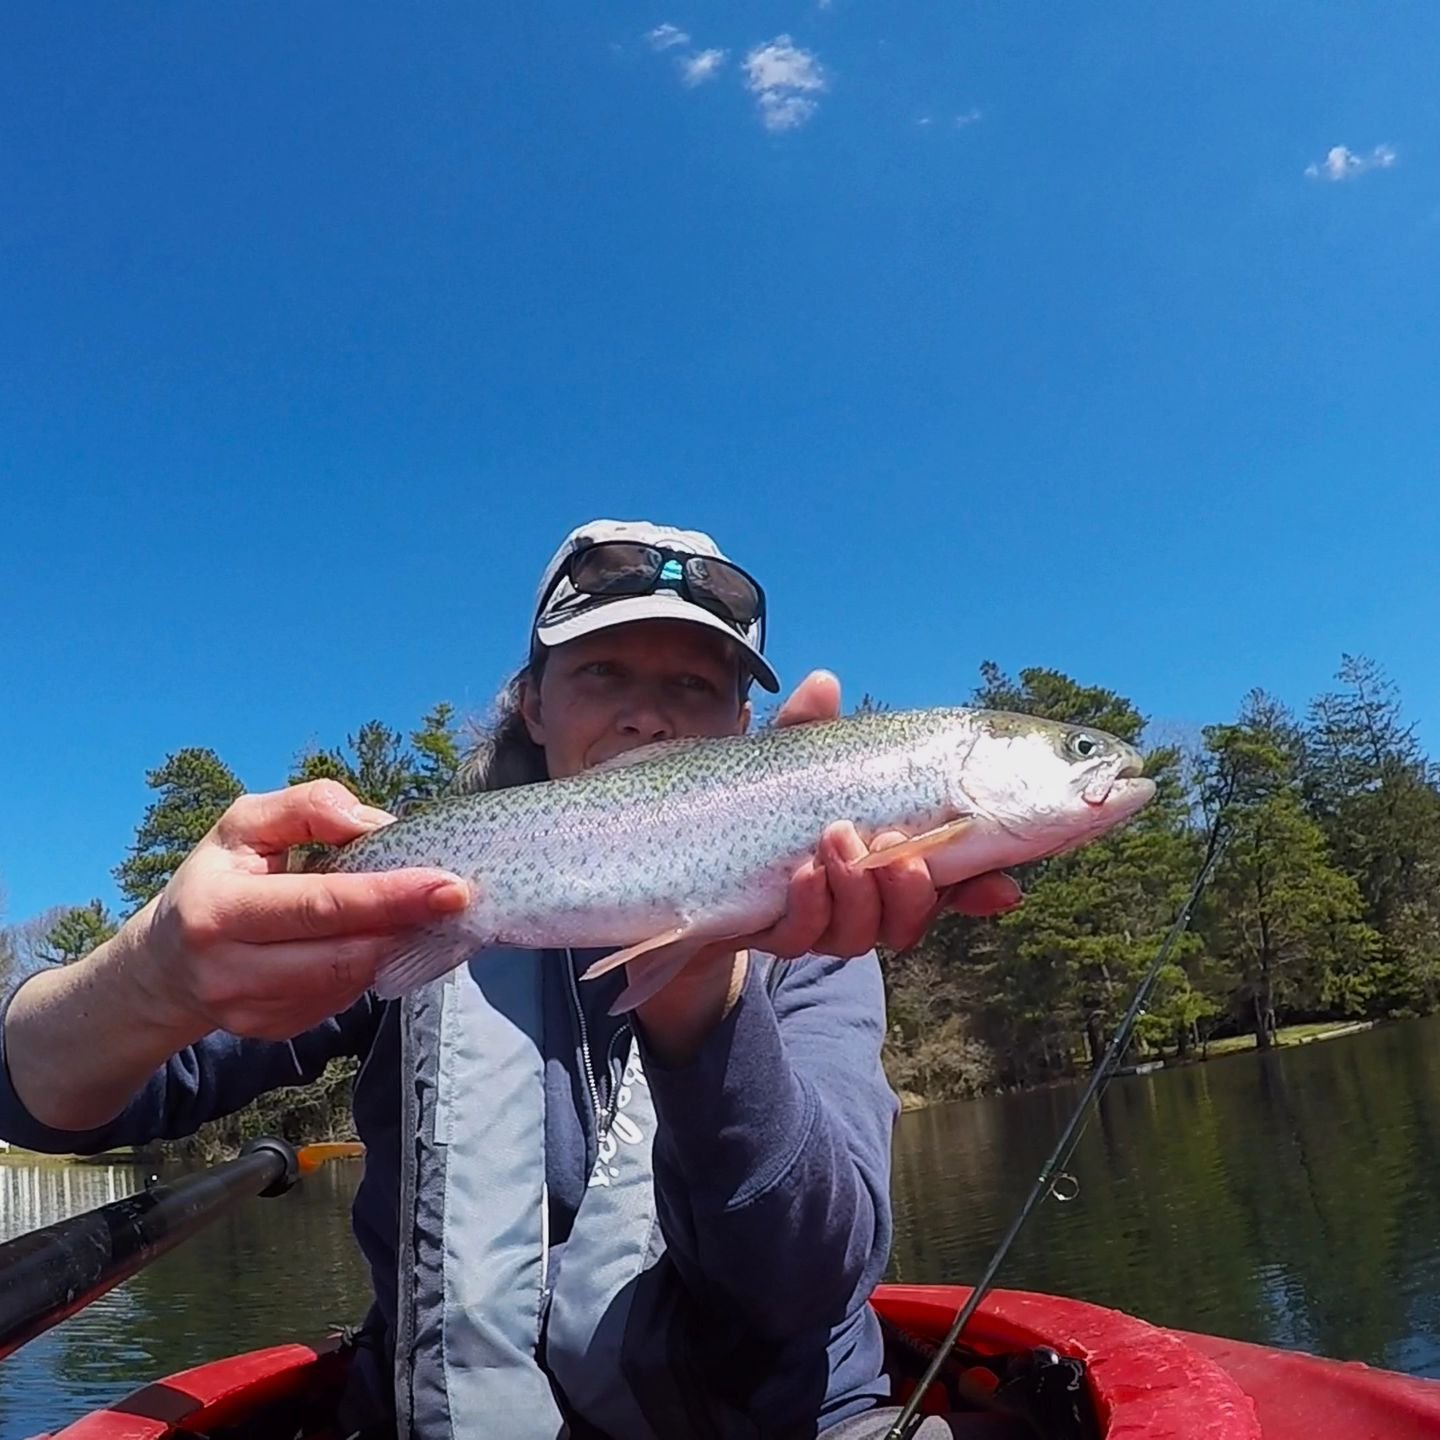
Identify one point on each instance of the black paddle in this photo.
(51, 1273)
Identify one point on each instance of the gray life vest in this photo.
(480, 1318)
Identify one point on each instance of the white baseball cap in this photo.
(563, 613)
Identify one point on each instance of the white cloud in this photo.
(697, 69)
(783, 78)
(1344, 164)
(924, 120)
(968, 118)
(664, 37)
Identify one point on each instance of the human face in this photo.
(632, 685)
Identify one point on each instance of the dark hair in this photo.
(504, 754)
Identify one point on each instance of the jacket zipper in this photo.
(604, 1114)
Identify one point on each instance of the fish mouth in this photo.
(1127, 781)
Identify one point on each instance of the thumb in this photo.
(816, 697)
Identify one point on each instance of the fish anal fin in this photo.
(916, 847)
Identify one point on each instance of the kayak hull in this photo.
(1145, 1382)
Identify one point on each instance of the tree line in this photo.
(1324, 903)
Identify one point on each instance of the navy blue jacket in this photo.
(772, 1153)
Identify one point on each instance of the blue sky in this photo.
(1101, 337)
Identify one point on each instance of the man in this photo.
(662, 1224)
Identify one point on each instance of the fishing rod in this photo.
(1053, 1170)
(48, 1275)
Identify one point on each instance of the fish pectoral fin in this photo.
(643, 947)
(917, 846)
(426, 953)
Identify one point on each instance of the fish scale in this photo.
(681, 843)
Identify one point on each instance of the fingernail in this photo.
(450, 895)
(371, 815)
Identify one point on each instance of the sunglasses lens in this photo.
(723, 585)
(615, 568)
(620, 567)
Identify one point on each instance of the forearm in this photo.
(82, 1040)
(676, 1021)
(772, 1156)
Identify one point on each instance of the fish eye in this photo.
(1083, 745)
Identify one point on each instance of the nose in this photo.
(646, 721)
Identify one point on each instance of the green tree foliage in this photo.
(74, 933)
(1282, 919)
(1374, 793)
(195, 787)
(1055, 696)
(436, 748)
(1067, 961)
(380, 768)
(1324, 904)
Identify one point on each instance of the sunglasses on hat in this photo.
(610, 569)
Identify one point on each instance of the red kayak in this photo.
(1057, 1367)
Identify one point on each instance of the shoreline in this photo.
(1287, 1037)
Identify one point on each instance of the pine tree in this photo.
(1375, 793)
(195, 788)
(75, 933)
(1281, 916)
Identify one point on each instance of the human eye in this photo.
(698, 685)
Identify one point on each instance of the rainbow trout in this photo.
(677, 845)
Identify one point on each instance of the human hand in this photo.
(833, 908)
(235, 943)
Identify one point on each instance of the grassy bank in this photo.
(1287, 1036)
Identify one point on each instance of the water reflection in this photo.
(32, 1195)
(1285, 1198)
(270, 1271)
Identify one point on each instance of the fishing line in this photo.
(1052, 1174)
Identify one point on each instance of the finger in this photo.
(990, 894)
(907, 897)
(298, 973)
(807, 913)
(322, 810)
(816, 697)
(854, 895)
(271, 908)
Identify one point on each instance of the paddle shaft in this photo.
(51, 1273)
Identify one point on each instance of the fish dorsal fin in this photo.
(656, 750)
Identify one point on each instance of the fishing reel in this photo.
(1042, 1393)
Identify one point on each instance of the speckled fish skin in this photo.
(698, 839)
